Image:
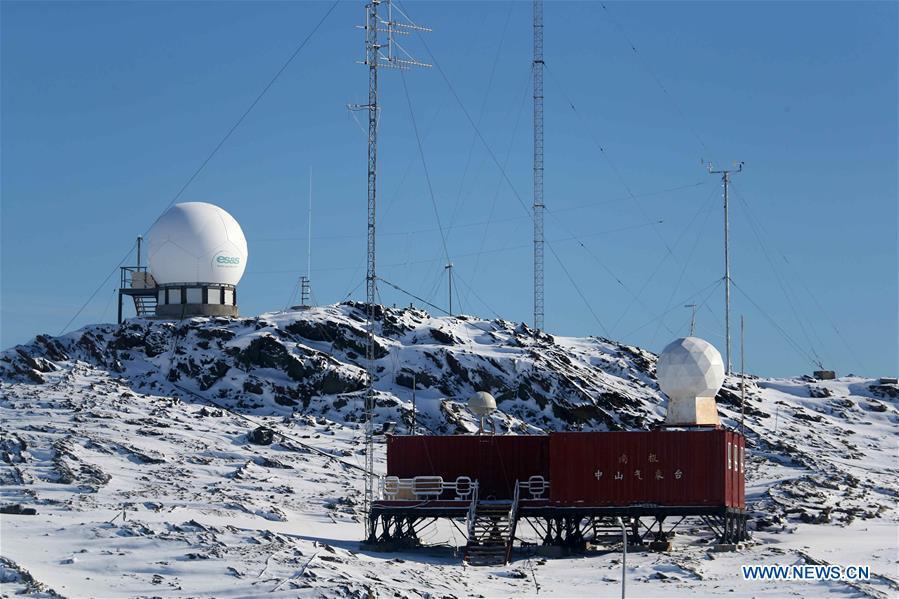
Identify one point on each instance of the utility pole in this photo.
(449, 283)
(375, 57)
(538, 164)
(725, 178)
(692, 318)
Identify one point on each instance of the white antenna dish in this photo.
(482, 405)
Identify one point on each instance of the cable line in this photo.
(711, 287)
(424, 166)
(499, 183)
(633, 197)
(655, 77)
(410, 294)
(608, 160)
(683, 271)
(480, 222)
(468, 117)
(499, 48)
(217, 147)
(253, 104)
(664, 258)
(478, 297)
(782, 283)
(577, 289)
(777, 326)
(602, 265)
(97, 290)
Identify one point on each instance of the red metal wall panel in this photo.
(656, 467)
(496, 461)
(682, 468)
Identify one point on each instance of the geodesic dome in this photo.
(196, 242)
(690, 367)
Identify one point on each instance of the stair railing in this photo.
(472, 510)
(513, 521)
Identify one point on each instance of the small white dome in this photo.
(195, 242)
(482, 404)
(690, 367)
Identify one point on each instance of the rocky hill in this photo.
(132, 444)
(312, 362)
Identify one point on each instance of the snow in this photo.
(144, 489)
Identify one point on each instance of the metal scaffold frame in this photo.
(389, 55)
(538, 164)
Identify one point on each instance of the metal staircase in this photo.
(491, 531)
(145, 305)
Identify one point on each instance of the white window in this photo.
(194, 295)
(229, 297)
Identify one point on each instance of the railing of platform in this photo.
(427, 487)
(127, 275)
(536, 486)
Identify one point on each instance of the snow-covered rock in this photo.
(133, 445)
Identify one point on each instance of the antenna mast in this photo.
(725, 177)
(692, 319)
(376, 57)
(538, 164)
(449, 283)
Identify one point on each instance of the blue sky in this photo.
(108, 108)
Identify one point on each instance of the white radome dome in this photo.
(196, 242)
(690, 367)
(482, 404)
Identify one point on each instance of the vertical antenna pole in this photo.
(140, 239)
(449, 282)
(725, 177)
(538, 164)
(692, 319)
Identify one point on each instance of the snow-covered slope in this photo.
(144, 488)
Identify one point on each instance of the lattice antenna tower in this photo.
(389, 54)
(725, 178)
(538, 164)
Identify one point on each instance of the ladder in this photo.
(145, 305)
(491, 531)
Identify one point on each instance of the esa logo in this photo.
(222, 260)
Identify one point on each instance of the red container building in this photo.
(666, 468)
(495, 461)
(659, 475)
